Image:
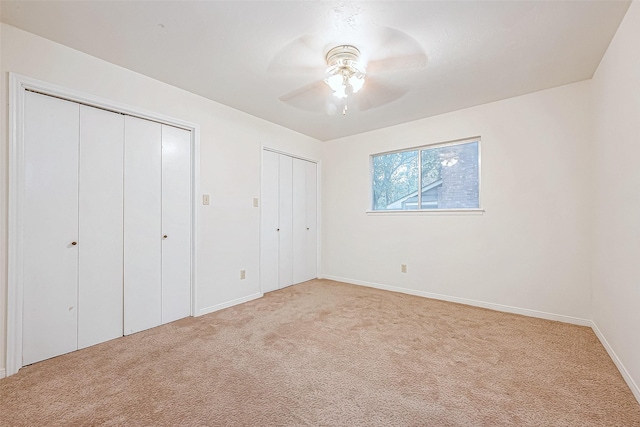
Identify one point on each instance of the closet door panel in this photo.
(176, 223)
(142, 225)
(269, 234)
(311, 205)
(50, 226)
(299, 213)
(100, 269)
(285, 222)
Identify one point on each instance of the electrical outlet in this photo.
(243, 274)
(403, 268)
(205, 199)
(256, 202)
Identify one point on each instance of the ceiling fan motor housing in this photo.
(345, 58)
(342, 55)
(345, 73)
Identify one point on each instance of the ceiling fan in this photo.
(349, 77)
(345, 75)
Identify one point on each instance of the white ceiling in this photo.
(250, 55)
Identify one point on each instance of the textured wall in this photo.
(616, 202)
(529, 249)
(230, 158)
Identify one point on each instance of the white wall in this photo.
(616, 162)
(549, 159)
(529, 250)
(229, 167)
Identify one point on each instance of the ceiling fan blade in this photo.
(314, 97)
(299, 57)
(396, 50)
(395, 63)
(375, 94)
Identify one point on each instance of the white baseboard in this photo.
(472, 302)
(2, 373)
(228, 304)
(623, 371)
(509, 309)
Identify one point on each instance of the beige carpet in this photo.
(329, 354)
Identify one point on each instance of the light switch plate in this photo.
(256, 202)
(205, 199)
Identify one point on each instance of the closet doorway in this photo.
(101, 222)
(289, 230)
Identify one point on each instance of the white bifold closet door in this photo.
(142, 225)
(100, 226)
(311, 201)
(72, 227)
(176, 223)
(50, 291)
(107, 226)
(288, 242)
(269, 233)
(304, 221)
(285, 223)
(157, 218)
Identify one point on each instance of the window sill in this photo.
(475, 211)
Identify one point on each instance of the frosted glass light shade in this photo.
(356, 83)
(340, 92)
(335, 82)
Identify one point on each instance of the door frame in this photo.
(18, 86)
(263, 148)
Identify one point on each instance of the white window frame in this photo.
(419, 211)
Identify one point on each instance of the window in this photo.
(447, 174)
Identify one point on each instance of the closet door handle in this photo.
(165, 236)
(277, 229)
(74, 243)
(307, 228)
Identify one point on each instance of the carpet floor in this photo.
(324, 353)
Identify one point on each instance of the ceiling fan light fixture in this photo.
(340, 93)
(356, 82)
(335, 82)
(345, 74)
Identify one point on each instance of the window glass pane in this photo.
(450, 177)
(395, 181)
(431, 179)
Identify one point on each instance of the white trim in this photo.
(476, 138)
(228, 304)
(616, 360)
(295, 156)
(18, 85)
(2, 373)
(195, 214)
(319, 217)
(472, 302)
(419, 149)
(510, 309)
(262, 148)
(470, 211)
(51, 89)
(14, 267)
